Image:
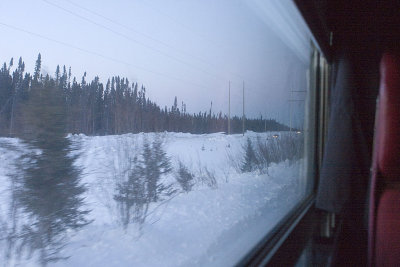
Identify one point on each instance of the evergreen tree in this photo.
(160, 165)
(144, 184)
(58, 74)
(119, 108)
(250, 159)
(38, 66)
(49, 190)
(6, 95)
(17, 88)
(131, 196)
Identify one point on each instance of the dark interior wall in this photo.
(361, 31)
(356, 41)
(356, 22)
(349, 33)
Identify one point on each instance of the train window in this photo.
(153, 133)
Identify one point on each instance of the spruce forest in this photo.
(92, 108)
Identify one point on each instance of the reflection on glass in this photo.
(189, 154)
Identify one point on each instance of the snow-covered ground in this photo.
(212, 226)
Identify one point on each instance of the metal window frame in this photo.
(270, 244)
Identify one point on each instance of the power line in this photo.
(105, 57)
(240, 77)
(184, 26)
(148, 36)
(179, 23)
(131, 39)
(138, 32)
(99, 55)
(249, 89)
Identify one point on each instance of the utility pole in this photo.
(243, 110)
(290, 111)
(290, 105)
(265, 123)
(229, 109)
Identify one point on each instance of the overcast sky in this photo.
(185, 48)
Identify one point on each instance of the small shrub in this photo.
(286, 147)
(250, 160)
(207, 177)
(184, 178)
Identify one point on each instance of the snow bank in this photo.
(207, 226)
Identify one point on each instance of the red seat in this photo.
(384, 224)
(388, 229)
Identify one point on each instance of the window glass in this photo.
(151, 133)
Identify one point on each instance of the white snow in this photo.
(206, 226)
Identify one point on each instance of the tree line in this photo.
(116, 107)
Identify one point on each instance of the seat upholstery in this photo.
(388, 229)
(384, 228)
(389, 119)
